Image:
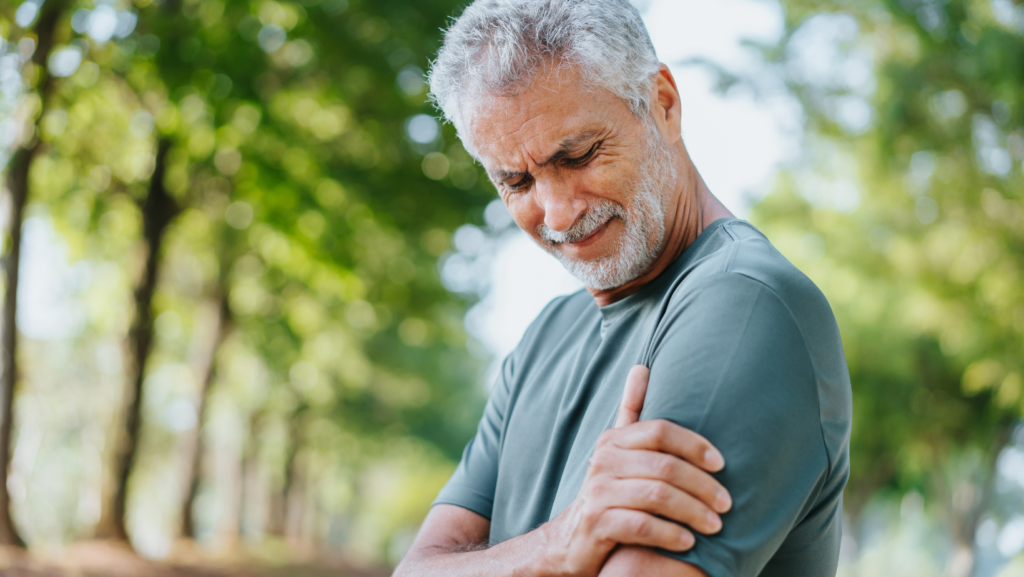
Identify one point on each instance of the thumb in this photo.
(633, 396)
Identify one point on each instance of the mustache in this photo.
(596, 217)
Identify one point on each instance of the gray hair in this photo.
(497, 46)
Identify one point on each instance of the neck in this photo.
(692, 209)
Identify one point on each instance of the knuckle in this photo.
(689, 440)
(600, 460)
(657, 492)
(662, 431)
(591, 517)
(699, 443)
(600, 530)
(700, 447)
(639, 526)
(651, 437)
(598, 486)
(664, 466)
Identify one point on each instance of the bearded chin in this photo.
(644, 226)
(635, 251)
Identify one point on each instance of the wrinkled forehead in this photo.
(508, 130)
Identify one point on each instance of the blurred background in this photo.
(254, 291)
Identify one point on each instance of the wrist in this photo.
(552, 557)
(543, 558)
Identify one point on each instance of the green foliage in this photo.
(303, 199)
(912, 222)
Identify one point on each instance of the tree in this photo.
(907, 210)
(291, 152)
(18, 187)
(158, 211)
(205, 371)
(250, 152)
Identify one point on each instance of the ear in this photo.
(665, 105)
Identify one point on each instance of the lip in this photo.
(590, 238)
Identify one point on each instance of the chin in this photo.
(604, 273)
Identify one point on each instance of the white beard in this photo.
(644, 222)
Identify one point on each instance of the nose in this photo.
(561, 206)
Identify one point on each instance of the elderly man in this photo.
(739, 365)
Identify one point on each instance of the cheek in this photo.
(526, 214)
(610, 181)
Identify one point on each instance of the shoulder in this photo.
(739, 268)
(743, 304)
(752, 313)
(742, 255)
(727, 322)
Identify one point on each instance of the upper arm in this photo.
(730, 363)
(631, 561)
(473, 484)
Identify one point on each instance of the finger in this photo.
(633, 464)
(668, 437)
(661, 498)
(633, 396)
(631, 527)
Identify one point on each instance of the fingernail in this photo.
(714, 523)
(686, 541)
(723, 502)
(713, 459)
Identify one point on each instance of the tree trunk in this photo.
(295, 498)
(311, 535)
(281, 507)
(253, 515)
(158, 212)
(205, 372)
(968, 500)
(18, 185)
(229, 489)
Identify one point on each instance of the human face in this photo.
(579, 173)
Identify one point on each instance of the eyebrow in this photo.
(568, 145)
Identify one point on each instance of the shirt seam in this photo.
(736, 242)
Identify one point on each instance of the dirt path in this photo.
(105, 559)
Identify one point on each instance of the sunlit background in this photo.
(243, 230)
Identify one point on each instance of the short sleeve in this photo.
(472, 485)
(728, 361)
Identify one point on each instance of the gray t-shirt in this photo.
(742, 348)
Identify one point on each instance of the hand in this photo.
(639, 471)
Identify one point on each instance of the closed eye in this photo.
(581, 160)
(520, 184)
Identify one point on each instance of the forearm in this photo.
(632, 561)
(517, 557)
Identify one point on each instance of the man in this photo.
(578, 125)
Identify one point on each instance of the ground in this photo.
(108, 559)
